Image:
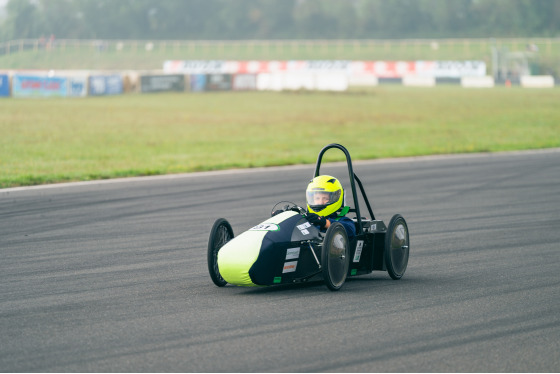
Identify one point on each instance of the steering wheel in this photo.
(288, 206)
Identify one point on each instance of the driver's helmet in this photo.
(325, 195)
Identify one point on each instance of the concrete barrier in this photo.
(269, 82)
(331, 82)
(537, 81)
(298, 81)
(418, 81)
(302, 81)
(478, 82)
(363, 80)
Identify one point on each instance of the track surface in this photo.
(113, 276)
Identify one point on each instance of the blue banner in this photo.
(77, 86)
(198, 82)
(105, 85)
(4, 85)
(35, 86)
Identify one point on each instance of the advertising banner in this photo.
(105, 85)
(195, 66)
(35, 86)
(451, 69)
(380, 69)
(4, 85)
(245, 82)
(385, 69)
(219, 82)
(162, 83)
(77, 86)
(198, 82)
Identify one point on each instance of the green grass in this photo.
(56, 140)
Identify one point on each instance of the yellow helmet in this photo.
(325, 195)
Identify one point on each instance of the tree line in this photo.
(278, 19)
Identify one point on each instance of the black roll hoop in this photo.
(353, 178)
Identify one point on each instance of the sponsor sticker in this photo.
(277, 280)
(358, 253)
(303, 228)
(292, 253)
(289, 267)
(265, 227)
(354, 272)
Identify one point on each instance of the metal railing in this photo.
(546, 46)
(542, 54)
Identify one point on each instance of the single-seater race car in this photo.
(287, 248)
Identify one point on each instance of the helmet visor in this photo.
(319, 199)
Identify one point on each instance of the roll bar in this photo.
(353, 178)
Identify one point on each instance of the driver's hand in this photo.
(297, 209)
(316, 220)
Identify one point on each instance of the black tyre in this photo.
(397, 247)
(220, 234)
(335, 256)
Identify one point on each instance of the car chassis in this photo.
(306, 253)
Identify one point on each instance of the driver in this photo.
(325, 204)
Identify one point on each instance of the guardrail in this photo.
(548, 46)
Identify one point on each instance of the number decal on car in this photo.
(265, 227)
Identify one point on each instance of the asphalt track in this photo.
(113, 276)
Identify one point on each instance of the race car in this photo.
(287, 248)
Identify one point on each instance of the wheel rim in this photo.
(221, 238)
(399, 248)
(338, 250)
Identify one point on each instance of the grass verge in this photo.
(57, 140)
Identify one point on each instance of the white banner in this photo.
(380, 69)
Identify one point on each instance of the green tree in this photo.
(274, 19)
(23, 20)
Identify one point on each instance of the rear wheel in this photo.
(220, 234)
(397, 247)
(334, 256)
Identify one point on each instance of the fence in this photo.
(429, 49)
(507, 59)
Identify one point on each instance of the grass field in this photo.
(56, 140)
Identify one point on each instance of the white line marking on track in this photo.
(277, 168)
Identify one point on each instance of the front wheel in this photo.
(334, 256)
(397, 247)
(220, 234)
